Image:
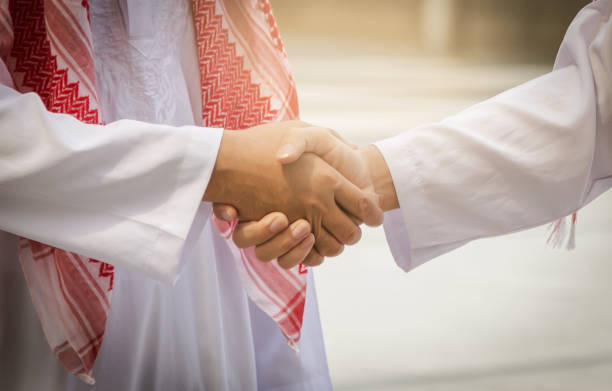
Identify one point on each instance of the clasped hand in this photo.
(273, 174)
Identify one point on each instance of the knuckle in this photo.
(283, 260)
(310, 200)
(325, 134)
(288, 243)
(331, 249)
(377, 218)
(315, 204)
(330, 134)
(363, 205)
(293, 132)
(354, 235)
(315, 261)
(337, 250)
(319, 131)
(347, 234)
(326, 177)
(238, 239)
(262, 255)
(291, 259)
(286, 263)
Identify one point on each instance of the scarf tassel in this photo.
(560, 236)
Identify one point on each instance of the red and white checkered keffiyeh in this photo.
(245, 81)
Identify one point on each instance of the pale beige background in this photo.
(504, 313)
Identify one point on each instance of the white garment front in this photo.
(127, 193)
(528, 156)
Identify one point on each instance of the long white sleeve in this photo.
(525, 157)
(125, 193)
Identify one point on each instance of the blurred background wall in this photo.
(521, 29)
(504, 313)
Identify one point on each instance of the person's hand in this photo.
(247, 176)
(273, 237)
(363, 166)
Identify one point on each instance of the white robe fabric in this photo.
(528, 156)
(129, 193)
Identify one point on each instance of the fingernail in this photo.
(277, 225)
(308, 242)
(355, 237)
(300, 231)
(226, 216)
(285, 151)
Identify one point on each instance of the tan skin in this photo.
(273, 237)
(308, 191)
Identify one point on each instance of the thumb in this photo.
(295, 144)
(225, 212)
(291, 151)
(313, 139)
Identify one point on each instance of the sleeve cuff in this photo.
(184, 216)
(400, 231)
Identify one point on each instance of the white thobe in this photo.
(528, 156)
(129, 193)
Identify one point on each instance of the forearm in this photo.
(501, 166)
(119, 193)
(530, 155)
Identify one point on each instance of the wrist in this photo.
(223, 170)
(381, 177)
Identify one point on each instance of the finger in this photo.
(350, 216)
(341, 226)
(361, 204)
(225, 212)
(291, 151)
(294, 144)
(355, 219)
(283, 242)
(297, 254)
(339, 137)
(253, 233)
(326, 244)
(312, 139)
(313, 258)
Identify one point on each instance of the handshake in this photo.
(299, 192)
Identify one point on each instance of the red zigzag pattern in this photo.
(35, 68)
(230, 99)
